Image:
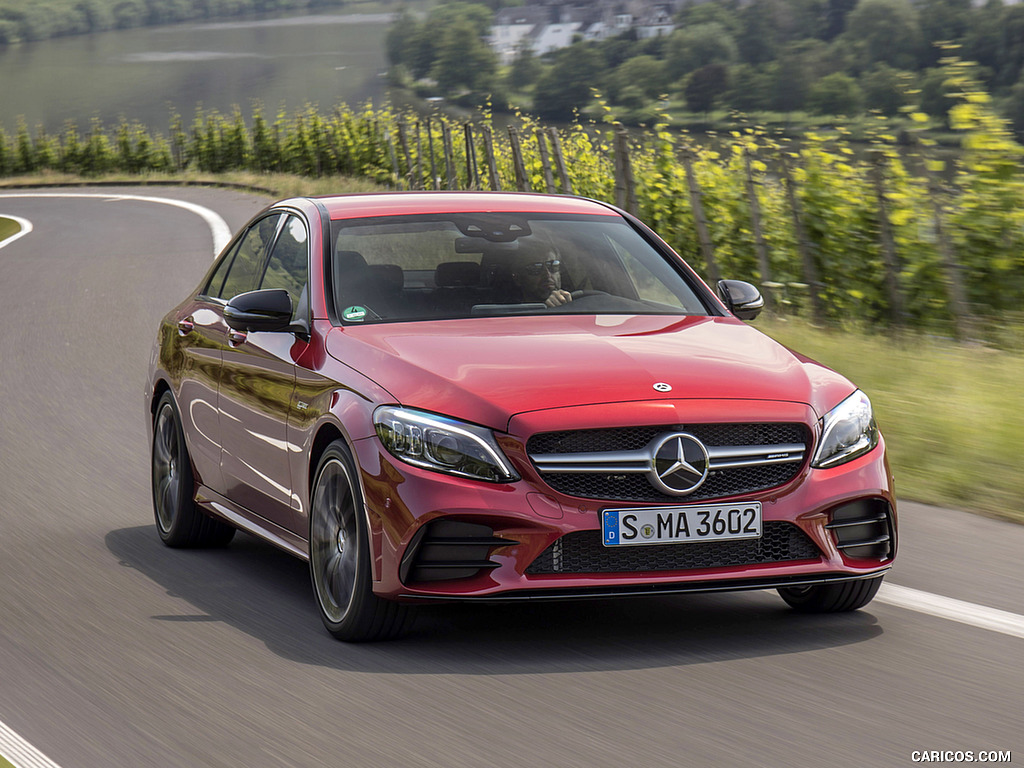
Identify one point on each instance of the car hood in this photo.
(488, 370)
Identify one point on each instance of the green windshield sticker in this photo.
(354, 314)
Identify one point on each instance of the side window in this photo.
(249, 258)
(216, 283)
(288, 265)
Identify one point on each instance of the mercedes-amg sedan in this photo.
(495, 397)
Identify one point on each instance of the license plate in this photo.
(669, 525)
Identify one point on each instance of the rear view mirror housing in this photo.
(266, 310)
(742, 299)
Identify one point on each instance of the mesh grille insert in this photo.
(582, 552)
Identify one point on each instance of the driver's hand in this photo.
(558, 298)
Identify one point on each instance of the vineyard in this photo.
(826, 232)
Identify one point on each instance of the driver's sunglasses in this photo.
(537, 268)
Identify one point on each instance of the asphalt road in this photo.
(115, 651)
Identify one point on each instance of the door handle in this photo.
(186, 326)
(235, 338)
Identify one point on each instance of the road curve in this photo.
(115, 651)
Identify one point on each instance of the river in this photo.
(143, 74)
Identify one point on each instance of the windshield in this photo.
(472, 265)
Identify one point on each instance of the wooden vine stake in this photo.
(760, 246)
(803, 243)
(625, 185)
(707, 248)
(963, 321)
(522, 183)
(449, 160)
(492, 165)
(887, 242)
(394, 158)
(556, 150)
(545, 162)
(472, 176)
(404, 141)
(435, 180)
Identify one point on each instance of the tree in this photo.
(885, 30)
(463, 60)
(525, 68)
(798, 66)
(693, 47)
(705, 86)
(565, 86)
(935, 99)
(835, 94)
(643, 73)
(1015, 108)
(886, 89)
(749, 88)
(941, 21)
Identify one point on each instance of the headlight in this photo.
(848, 431)
(442, 444)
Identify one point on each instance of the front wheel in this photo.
(831, 598)
(339, 555)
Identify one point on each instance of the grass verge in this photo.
(8, 228)
(952, 414)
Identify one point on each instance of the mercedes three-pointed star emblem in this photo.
(680, 464)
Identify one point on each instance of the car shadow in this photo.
(266, 593)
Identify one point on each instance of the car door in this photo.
(201, 336)
(256, 385)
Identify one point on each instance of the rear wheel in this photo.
(831, 598)
(179, 521)
(339, 555)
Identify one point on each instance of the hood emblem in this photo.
(680, 464)
(662, 387)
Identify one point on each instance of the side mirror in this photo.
(267, 310)
(742, 299)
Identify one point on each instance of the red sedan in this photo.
(473, 396)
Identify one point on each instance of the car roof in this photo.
(411, 203)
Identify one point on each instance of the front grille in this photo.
(582, 552)
(613, 463)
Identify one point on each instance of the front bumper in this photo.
(510, 527)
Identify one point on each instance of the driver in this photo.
(537, 271)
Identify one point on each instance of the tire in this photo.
(831, 598)
(179, 521)
(339, 556)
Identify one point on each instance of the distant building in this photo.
(555, 24)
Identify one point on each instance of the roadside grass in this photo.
(8, 227)
(952, 414)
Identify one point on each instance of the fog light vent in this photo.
(863, 529)
(445, 550)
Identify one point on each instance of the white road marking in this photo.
(20, 753)
(25, 224)
(955, 610)
(218, 227)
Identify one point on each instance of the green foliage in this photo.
(704, 86)
(849, 204)
(835, 94)
(886, 31)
